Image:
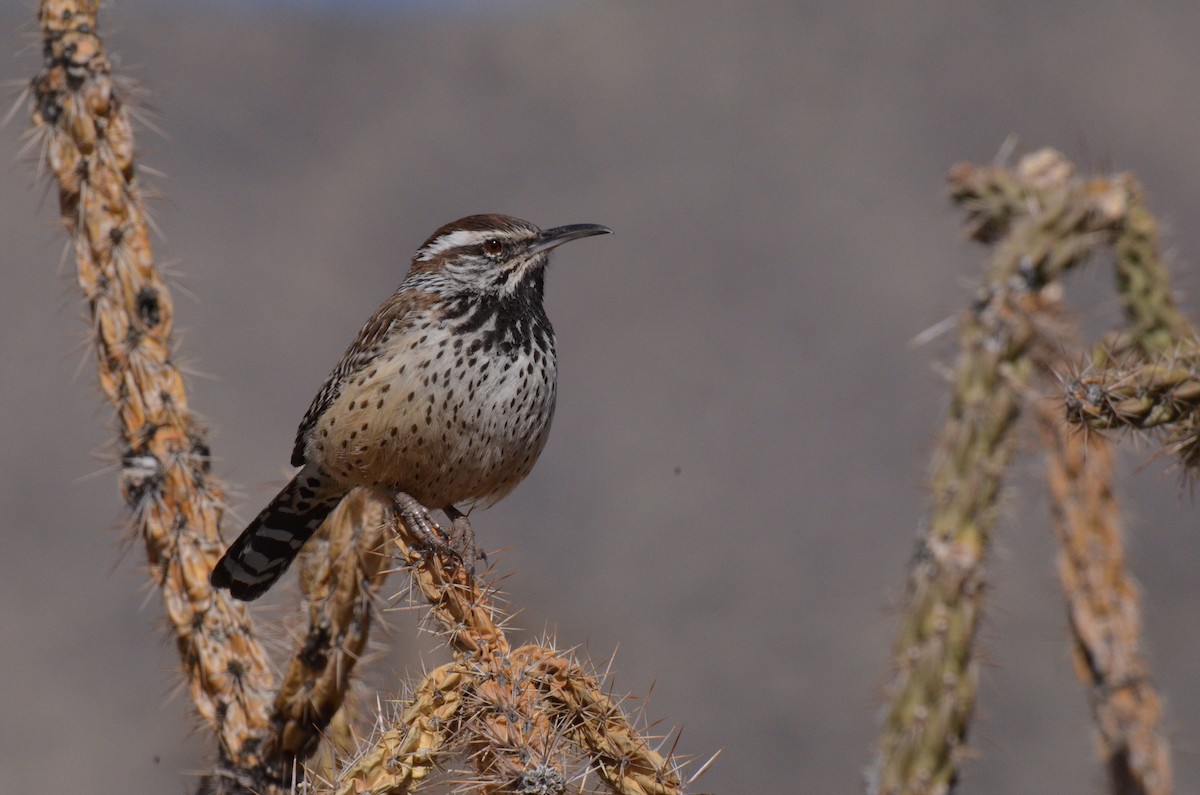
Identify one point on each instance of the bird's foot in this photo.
(458, 543)
(419, 521)
(462, 539)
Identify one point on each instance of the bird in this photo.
(444, 398)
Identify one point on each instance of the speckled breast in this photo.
(455, 409)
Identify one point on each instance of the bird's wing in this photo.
(392, 316)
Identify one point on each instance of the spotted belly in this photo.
(449, 429)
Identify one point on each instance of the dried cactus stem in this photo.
(1042, 222)
(1104, 610)
(504, 730)
(341, 573)
(509, 734)
(1141, 397)
(1158, 390)
(521, 715)
(458, 603)
(620, 754)
(80, 115)
(402, 757)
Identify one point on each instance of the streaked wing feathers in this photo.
(393, 315)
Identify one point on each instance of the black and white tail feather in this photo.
(265, 549)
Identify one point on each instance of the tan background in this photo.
(733, 482)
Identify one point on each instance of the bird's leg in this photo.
(460, 542)
(462, 538)
(417, 519)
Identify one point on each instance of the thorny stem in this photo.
(1155, 326)
(1141, 397)
(342, 570)
(515, 712)
(82, 119)
(1041, 223)
(1103, 609)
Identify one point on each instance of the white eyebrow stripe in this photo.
(461, 237)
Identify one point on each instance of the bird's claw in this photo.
(419, 521)
(461, 543)
(458, 543)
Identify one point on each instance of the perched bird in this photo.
(443, 399)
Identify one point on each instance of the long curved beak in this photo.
(551, 238)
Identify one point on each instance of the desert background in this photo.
(734, 479)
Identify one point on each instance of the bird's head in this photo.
(495, 253)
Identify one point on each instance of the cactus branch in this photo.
(342, 572)
(520, 715)
(1041, 222)
(1139, 397)
(1104, 610)
(177, 503)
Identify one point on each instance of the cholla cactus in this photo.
(529, 720)
(82, 124)
(1041, 220)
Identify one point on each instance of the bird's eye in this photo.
(492, 247)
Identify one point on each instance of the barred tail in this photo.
(267, 547)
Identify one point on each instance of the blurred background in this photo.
(734, 480)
